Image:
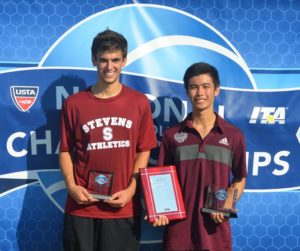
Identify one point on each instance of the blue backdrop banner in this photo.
(45, 57)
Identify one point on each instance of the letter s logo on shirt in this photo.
(107, 133)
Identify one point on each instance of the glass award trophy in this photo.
(100, 184)
(221, 200)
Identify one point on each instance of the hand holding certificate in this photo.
(162, 193)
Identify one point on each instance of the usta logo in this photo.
(24, 96)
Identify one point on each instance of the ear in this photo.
(124, 62)
(217, 91)
(94, 61)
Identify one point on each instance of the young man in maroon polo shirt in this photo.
(206, 150)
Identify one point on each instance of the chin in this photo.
(110, 81)
(200, 107)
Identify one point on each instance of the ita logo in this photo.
(268, 115)
(24, 96)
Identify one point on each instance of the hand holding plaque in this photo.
(162, 193)
(100, 184)
(221, 200)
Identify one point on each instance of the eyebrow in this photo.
(206, 83)
(112, 59)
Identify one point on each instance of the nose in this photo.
(199, 90)
(109, 64)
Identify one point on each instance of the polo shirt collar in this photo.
(187, 123)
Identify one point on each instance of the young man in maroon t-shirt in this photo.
(107, 133)
(206, 150)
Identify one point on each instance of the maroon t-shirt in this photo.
(202, 162)
(105, 135)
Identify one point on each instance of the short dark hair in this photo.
(109, 40)
(198, 69)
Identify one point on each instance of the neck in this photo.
(106, 91)
(203, 118)
(203, 123)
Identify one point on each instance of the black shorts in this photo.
(90, 234)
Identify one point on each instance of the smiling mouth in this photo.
(200, 100)
(109, 74)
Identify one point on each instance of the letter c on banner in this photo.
(9, 145)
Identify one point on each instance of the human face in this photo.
(109, 65)
(202, 92)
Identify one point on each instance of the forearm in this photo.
(141, 161)
(66, 167)
(77, 192)
(239, 184)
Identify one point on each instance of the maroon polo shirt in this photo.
(215, 159)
